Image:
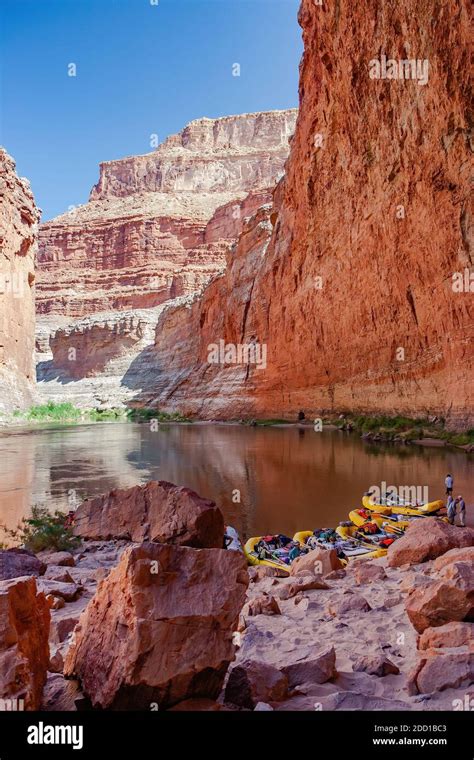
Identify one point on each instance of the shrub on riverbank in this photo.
(400, 428)
(67, 412)
(51, 411)
(44, 530)
(145, 415)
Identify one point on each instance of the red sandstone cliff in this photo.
(158, 226)
(348, 279)
(352, 291)
(18, 238)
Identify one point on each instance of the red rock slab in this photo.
(426, 539)
(24, 649)
(159, 628)
(157, 511)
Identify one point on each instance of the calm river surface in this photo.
(289, 478)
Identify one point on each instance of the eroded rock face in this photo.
(162, 636)
(18, 241)
(352, 258)
(24, 649)
(157, 511)
(427, 539)
(158, 225)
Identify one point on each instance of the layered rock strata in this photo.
(354, 289)
(357, 282)
(18, 241)
(158, 226)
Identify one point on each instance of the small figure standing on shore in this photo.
(461, 504)
(449, 482)
(451, 508)
(301, 416)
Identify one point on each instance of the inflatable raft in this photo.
(260, 550)
(389, 524)
(376, 542)
(347, 547)
(396, 506)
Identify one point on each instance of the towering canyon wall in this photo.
(158, 226)
(348, 280)
(355, 278)
(18, 240)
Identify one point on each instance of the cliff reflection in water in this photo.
(264, 479)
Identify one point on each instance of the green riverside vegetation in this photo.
(44, 530)
(399, 428)
(378, 427)
(66, 412)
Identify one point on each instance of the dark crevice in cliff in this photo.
(246, 311)
(411, 301)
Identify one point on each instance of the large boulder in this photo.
(348, 603)
(15, 563)
(449, 595)
(316, 562)
(252, 682)
(461, 575)
(449, 635)
(24, 649)
(440, 669)
(58, 573)
(375, 665)
(319, 668)
(425, 539)
(454, 555)
(157, 511)
(437, 604)
(62, 559)
(159, 628)
(368, 572)
(67, 591)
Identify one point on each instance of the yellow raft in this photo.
(424, 510)
(359, 549)
(361, 516)
(348, 532)
(252, 557)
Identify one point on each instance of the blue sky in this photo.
(142, 69)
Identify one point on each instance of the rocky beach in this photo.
(149, 613)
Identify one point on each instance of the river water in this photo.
(265, 479)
